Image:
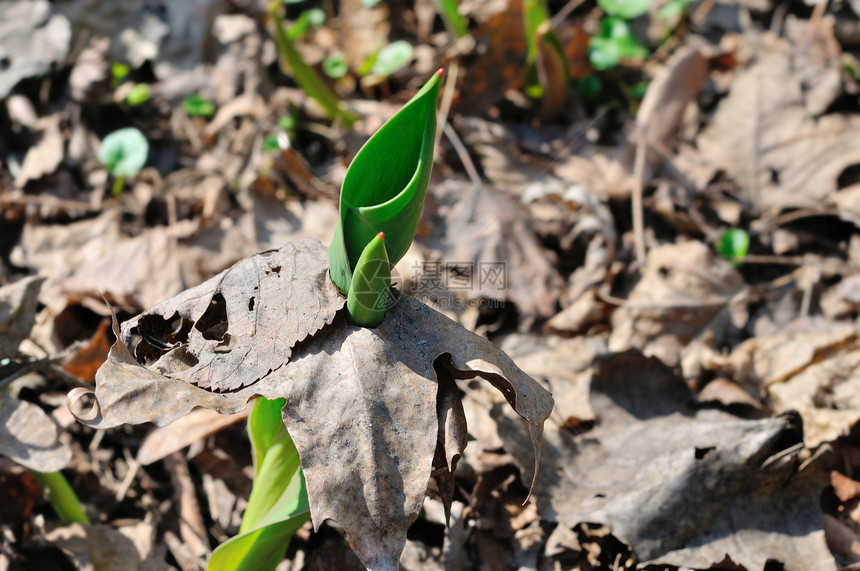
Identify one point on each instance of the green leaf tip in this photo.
(385, 186)
(368, 292)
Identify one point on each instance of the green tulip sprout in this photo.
(385, 186)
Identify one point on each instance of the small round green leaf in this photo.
(335, 65)
(734, 244)
(124, 152)
(392, 57)
(196, 105)
(626, 9)
(138, 95)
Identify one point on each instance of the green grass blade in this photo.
(260, 549)
(452, 18)
(62, 497)
(308, 79)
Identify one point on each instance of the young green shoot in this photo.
(385, 186)
(62, 497)
(278, 505)
(548, 76)
(368, 291)
(195, 105)
(308, 79)
(138, 95)
(123, 153)
(450, 13)
(734, 245)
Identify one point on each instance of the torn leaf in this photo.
(361, 404)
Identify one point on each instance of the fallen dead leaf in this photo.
(183, 432)
(361, 403)
(29, 436)
(672, 481)
(17, 313)
(100, 547)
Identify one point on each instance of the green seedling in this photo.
(548, 76)
(123, 153)
(734, 245)
(335, 65)
(278, 505)
(312, 18)
(673, 9)
(391, 58)
(196, 105)
(308, 79)
(450, 13)
(368, 291)
(118, 72)
(614, 43)
(62, 497)
(385, 186)
(138, 95)
(624, 9)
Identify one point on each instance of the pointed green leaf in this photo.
(385, 186)
(368, 291)
(278, 505)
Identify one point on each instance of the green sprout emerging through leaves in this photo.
(123, 153)
(383, 192)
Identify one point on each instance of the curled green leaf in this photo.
(385, 186)
(368, 291)
(124, 152)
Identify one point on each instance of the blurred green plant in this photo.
(624, 9)
(305, 76)
(62, 497)
(118, 72)
(734, 245)
(138, 95)
(123, 153)
(311, 18)
(278, 505)
(548, 76)
(335, 65)
(614, 43)
(450, 13)
(391, 58)
(195, 105)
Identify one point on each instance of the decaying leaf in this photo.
(29, 436)
(234, 321)
(361, 404)
(683, 287)
(498, 256)
(763, 135)
(102, 548)
(17, 313)
(669, 479)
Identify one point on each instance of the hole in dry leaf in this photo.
(274, 270)
(213, 323)
(5, 63)
(251, 304)
(702, 452)
(849, 176)
(159, 335)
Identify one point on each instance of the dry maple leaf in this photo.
(371, 411)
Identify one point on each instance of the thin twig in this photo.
(638, 190)
(463, 154)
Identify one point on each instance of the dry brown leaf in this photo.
(484, 233)
(676, 85)
(100, 547)
(17, 313)
(674, 482)
(29, 436)
(763, 136)
(44, 157)
(682, 289)
(361, 403)
(184, 432)
(233, 320)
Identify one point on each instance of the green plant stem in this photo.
(453, 20)
(62, 497)
(308, 79)
(118, 184)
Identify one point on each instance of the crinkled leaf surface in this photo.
(17, 313)
(680, 485)
(29, 436)
(242, 323)
(361, 404)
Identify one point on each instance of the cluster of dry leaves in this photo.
(706, 413)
